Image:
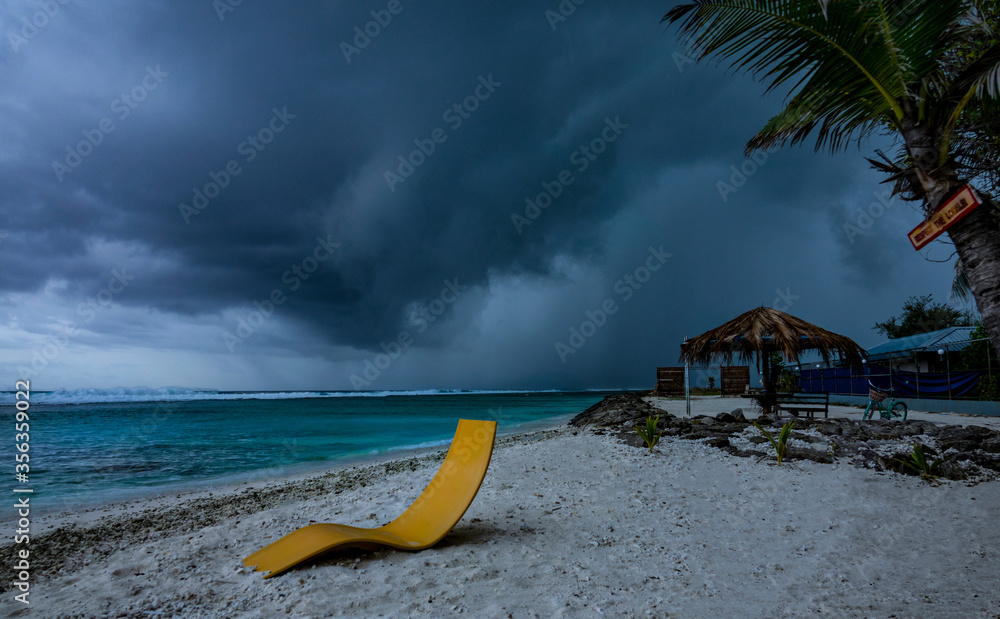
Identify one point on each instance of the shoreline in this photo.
(193, 489)
(122, 521)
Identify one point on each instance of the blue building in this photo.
(927, 365)
(925, 352)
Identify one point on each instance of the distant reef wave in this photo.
(185, 394)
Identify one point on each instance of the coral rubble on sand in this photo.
(970, 453)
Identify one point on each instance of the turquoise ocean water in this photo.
(96, 446)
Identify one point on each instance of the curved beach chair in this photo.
(439, 508)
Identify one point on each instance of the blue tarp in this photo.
(846, 381)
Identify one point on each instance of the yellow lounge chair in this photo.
(439, 508)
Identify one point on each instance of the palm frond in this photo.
(901, 174)
(851, 64)
(814, 108)
(982, 77)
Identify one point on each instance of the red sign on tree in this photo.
(955, 208)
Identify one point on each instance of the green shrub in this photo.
(781, 445)
(649, 433)
(918, 462)
(978, 355)
(989, 388)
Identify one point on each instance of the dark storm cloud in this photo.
(204, 85)
(188, 92)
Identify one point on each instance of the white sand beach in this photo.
(567, 524)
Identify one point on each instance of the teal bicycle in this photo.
(876, 402)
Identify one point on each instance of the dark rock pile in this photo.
(970, 453)
(615, 410)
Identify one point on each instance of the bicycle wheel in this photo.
(899, 410)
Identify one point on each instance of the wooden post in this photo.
(765, 402)
(687, 380)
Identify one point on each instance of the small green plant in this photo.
(781, 445)
(649, 433)
(918, 462)
(711, 382)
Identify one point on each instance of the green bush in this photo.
(918, 462)
(780, 445)
(989, 388)
(649, 433)
(978, 355)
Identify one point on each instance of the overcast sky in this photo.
(406, 195)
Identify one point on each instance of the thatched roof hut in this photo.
(768, 330)
(762, 331)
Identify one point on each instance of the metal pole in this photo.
(947, 368)
(687, 386)
(989, 364)
(865, 369)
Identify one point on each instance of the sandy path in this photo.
(578, 525)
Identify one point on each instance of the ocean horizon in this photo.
(94, 446)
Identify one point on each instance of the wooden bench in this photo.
(809, 403)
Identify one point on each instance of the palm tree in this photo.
(857, 68)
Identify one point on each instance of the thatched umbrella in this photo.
(762, 331)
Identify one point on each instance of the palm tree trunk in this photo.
(765, 375)
(936, 181)
(976, 236)
(977, 240)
